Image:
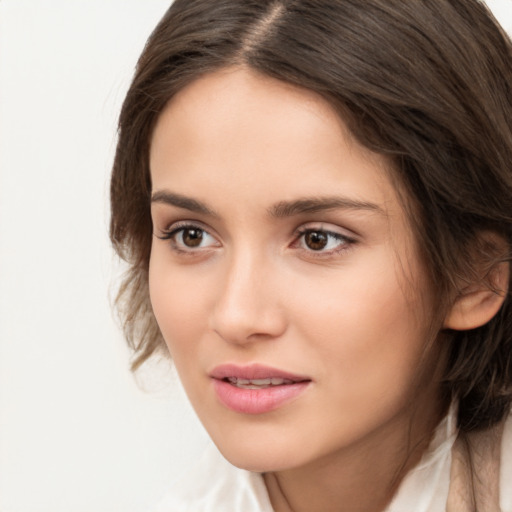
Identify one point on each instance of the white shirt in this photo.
(217, 486)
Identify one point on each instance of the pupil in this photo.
(192, 237)
(316, 240)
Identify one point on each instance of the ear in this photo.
(478, 302)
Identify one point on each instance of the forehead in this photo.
(244, 135)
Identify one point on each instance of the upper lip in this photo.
(254, 371)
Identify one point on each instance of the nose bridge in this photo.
(247, 306)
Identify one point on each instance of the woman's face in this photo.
(283, 275)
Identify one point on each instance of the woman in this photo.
(315, 200)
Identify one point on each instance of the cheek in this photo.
(174, 298)
(367, 333)
(362, 302)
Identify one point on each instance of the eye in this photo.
(188, 238)
(323, 241)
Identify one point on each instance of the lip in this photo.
(253, 371)
(256, 401)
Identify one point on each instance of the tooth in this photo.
(258, 383)
(247, 386)
(261, 382)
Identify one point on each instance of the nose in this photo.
(248, 308)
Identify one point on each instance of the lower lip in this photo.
(257, 401)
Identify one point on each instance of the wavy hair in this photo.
(426, 82)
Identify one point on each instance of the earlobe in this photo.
(478, 303)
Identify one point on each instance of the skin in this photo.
(352, 316)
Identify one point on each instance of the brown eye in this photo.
(192, 237)
(189, 238)
(322, 241)
(316, 240)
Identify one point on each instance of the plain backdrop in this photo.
(77, 434)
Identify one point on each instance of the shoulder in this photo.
(481, 472)
(214, 484)
(459, 469)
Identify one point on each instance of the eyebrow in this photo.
(180, 201)
(279, 210)
(318, 204)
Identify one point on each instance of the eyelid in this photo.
(327, 227)
(172, 227)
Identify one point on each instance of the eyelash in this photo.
(344, 242)
(171, 234)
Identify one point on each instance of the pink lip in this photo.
(256, 401)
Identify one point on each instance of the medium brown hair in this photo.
(426, 82)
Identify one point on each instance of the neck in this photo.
(363, 477)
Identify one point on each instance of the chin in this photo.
(260, 455)
(257, 462)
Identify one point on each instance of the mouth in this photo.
(256, 389)
(258, 383)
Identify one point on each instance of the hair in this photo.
(426, 82)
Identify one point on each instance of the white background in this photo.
(76, 433)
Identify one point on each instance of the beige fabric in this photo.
(475, 472)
